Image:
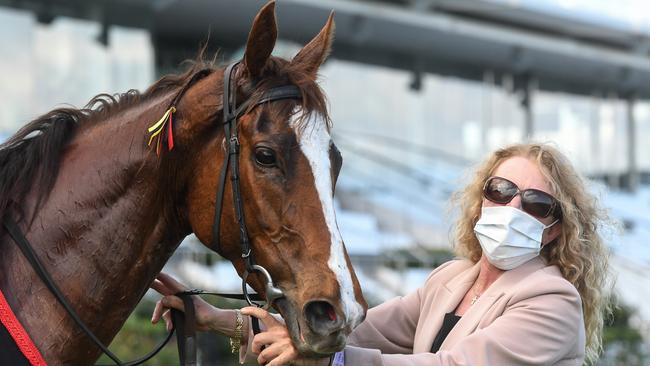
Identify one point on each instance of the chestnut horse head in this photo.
(288, 168)
(104, 211)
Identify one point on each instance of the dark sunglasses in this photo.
(533, 201)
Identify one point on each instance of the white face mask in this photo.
(509, 237)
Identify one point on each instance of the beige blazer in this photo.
(530, 315)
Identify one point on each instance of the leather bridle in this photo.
(186, 322)
(231, 112)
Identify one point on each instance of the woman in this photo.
(531, 288)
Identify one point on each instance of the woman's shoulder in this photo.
(545, 296)
(545, 281)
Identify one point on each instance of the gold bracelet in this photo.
(235, 341)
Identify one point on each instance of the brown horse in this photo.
(104, 212)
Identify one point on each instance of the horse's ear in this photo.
(261, 40)
(316, 51)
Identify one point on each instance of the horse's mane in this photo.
(31, 157)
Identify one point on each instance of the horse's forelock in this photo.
(313, 101)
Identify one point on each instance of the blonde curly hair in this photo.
(579, 251)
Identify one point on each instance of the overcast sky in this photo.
(631, 15)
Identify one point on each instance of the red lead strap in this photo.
(19, 335)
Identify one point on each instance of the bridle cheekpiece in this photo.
(231, 112)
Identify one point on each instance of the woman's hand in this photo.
(206, 314)
(274, 344)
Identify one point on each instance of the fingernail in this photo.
(164, 301)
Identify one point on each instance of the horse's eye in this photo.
(265, 157)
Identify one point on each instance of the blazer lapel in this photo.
(470, 320)
(445, 300)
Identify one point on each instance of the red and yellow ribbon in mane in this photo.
(157, 128)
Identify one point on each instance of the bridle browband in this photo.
(187, 344)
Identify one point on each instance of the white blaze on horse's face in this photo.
(315, 140)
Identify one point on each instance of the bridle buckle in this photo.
(247, 254)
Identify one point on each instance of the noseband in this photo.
(231, 112)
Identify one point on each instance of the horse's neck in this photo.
(105, 230)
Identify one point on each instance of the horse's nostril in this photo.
(320, 311)
(322, 318)
(331, 313)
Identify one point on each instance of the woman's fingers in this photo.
(274, 345)
(168, 286)
(170, 301)
(171, 283)
(277, 337)
(157, 312)
(162, 310)
(263, 339)
(283, 358)
(274, 352)
(167, 315)
(262, 315)
(161, 288)
(278, 353)
(268, 354)
(173, 302)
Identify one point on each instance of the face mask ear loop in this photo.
(548, 226)
(551, 224)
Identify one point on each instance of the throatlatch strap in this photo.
(218, 206)
(221, 188)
